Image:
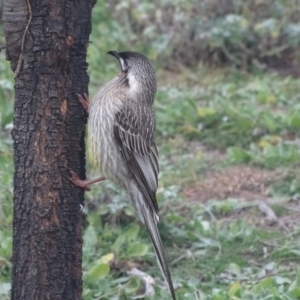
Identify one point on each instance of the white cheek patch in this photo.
(134, 87)
(122, 63)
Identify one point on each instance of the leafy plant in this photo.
(254, 33)
(207, 119)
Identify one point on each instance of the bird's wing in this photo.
(134, 133)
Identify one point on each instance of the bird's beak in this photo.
(114, 53)
(122, 62)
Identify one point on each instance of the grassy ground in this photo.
(228, 192)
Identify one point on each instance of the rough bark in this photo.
(48, 139)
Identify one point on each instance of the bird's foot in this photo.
(83, 183)
(84, 100)
(78, 182)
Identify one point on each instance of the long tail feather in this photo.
(151, 223)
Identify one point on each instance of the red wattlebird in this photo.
(121, 134)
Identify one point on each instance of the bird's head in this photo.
(140, 75)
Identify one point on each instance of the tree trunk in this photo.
(46, 42)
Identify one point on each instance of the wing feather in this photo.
(134, 133)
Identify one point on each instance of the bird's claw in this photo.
(78, 182)
(84, 100)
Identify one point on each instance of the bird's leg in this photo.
(84, 100)
(83, 183)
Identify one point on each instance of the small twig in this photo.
(267, 243)
(255, 263)
(147, 279)
(268, 211)
(275, 272)
(20, 60)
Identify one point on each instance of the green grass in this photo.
(217, 249)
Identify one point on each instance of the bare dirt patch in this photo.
(242, 182)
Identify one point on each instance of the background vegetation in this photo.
(228, 119)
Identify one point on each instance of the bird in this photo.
(121, 132)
